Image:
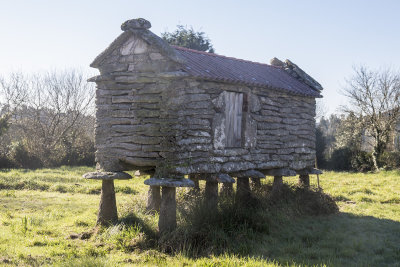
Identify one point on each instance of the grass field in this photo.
(42, 211)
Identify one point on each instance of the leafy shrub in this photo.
(341, 159)
(390, 160)
(362, 161)
(22, 158)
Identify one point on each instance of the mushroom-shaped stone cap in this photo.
(280, 172)
(309, 171)
(219, 178)
(135, 24)
(168, 182)
(107, 176)
(249, 174)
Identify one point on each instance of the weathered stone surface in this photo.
(168, 182)
(149, 109)
(211, 194)
(309, 171)
(108, 206)
(136, 24)
(154, 199)
(167, 218)
(107, 175)
(277, 184)
(279, 172)
(249, 174)
(243, 192)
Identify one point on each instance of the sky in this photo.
(327, 39)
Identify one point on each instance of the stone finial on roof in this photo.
(276, 62)
(136, 24)
(296, 72)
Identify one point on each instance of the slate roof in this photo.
(227, 69)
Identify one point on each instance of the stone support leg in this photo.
(304, 180)
(277, 184)
(196, 188)
(242, 190)
(211, 194)
(108, 205)
(154, 199)
(167, 218)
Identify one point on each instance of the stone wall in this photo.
(150, 113)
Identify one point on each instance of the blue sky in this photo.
(325, 38)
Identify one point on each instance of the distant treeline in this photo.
(344, 144)
(46, 120)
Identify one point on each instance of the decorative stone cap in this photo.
(218, 178)
(310, 171)
(168, 182)
(249, 174)
(296, 72)
(279, 172)
(107, 176)
(135, 24)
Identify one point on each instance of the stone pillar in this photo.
(108, 204)
(211, 194)
(227, 189)
(255, 184)
(154, 199)
(304, 180)
(243, 190)
(277, 184)
(167, 219)
(196, 188)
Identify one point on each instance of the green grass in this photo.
(40, 209)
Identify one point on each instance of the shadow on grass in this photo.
(296, 226)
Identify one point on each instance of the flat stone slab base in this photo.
(107, 176)
(169, 182)
(249, 174)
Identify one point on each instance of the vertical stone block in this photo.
(211, 194)
(108, 205)
(167, 219)
(243, 192)
(154, 199)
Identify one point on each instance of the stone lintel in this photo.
(279, 172)
(107, 176)
(249, 174)
(309, 171)
(169, 182)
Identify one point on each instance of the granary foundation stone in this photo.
(154, 199)
(167, 219)
(108, 206)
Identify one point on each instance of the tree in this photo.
(374, 98)
(54, 123)
(189, 38)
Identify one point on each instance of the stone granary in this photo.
(170, 111)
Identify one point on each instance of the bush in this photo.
(390, 160)
(22, 158)
(234, 227)
(362, 161)
(341, 159)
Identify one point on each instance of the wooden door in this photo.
(233, 119)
